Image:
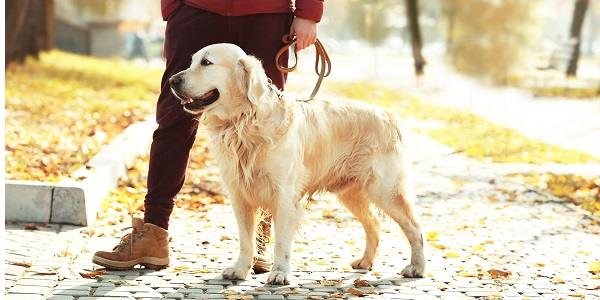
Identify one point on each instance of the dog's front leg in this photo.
(287, 218)
(245, 215)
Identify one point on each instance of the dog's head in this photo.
(222, 82)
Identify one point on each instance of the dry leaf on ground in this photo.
(30, 226)
(594, 267)
(499, 274)
(361, 283)
(20, 263)
(356, 292)
(92, 273)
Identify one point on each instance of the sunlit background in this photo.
(506, 81)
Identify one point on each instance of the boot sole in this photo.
(154, 263)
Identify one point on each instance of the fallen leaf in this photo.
(361, 283)
(46, 271)
(577, 295)
(451, 255)
(432, 236)
(328, 214)
(326, 282)
(438, 246)
(539, 264)
(179, 269)
(469, 274)
(225, 238)
(30, 226)
(594, 267)
(496, 274)
(356, 292)
(20, 263)
(92, 273)
(558, 280)
(478, 248)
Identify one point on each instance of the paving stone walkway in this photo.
(486, 238)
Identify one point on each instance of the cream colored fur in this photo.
(274, 152)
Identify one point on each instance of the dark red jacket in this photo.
(306, 9)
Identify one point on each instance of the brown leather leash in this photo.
(322, 61)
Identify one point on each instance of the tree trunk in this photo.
(29, 28)
(576, 24)
(412, 13)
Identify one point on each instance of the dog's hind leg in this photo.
(287, 216)
(355, 199)
(245, 215)
(399, 207)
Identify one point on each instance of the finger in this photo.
(301, 42)
(313, 39)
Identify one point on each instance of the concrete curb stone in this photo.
(76, 201)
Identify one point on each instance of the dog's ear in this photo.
(251, 78)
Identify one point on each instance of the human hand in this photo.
(305, 31)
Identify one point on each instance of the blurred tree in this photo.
(369, 20)
(29, 28)
(488, 37)
(412, 14)
(575, 32)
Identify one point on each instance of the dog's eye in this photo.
(205, 62)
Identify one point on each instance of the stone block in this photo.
(28, 201)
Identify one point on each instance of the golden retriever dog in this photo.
(274, 152)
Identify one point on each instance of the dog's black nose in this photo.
(175, 80)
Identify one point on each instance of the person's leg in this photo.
(188, 30)
(261, 37)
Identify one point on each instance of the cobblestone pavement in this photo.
(486, 238)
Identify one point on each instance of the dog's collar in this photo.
(274, 89)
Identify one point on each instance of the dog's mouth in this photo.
(197, 103)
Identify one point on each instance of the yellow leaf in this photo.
(558, 280)
(322, 262)
(478, 248)
(594, 267)
(432, 236)
(539, 264)
(328, 214)
(451, 255)
(468, 274)
(180, 268)
(438, 246)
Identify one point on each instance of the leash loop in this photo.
(322, 61)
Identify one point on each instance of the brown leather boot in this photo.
(147, 245)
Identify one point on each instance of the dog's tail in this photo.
(395, 124)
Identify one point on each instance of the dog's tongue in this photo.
(203, 97)
(207, 95)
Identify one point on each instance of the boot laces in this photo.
(129, 239)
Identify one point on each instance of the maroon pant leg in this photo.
(188, 30)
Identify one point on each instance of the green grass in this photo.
(464, 131)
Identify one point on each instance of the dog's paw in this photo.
(363, 263)
(412, 271)
(278, 277)
(235, 273)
